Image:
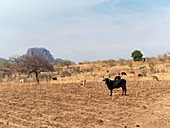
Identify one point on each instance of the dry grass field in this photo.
(68, 105)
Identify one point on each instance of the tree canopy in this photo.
(137, 55)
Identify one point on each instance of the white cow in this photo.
(21, 80)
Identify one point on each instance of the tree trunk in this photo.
(36, 73)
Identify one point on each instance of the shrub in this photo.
(98, 68)
(162, 59)
(144, 72)
(87, 69)
(65, 73)
(46, 76)
(76, 69)
(163, 70)
(164, 55)
(130, 64)
(142, 67)
(152, 66)
(84, 62)
(67, 63)
(121, 62)
(109, 62)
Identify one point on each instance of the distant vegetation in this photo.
(65, 63)
(35, 62)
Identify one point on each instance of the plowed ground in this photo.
(147, 105)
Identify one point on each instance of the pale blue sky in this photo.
(81, 30)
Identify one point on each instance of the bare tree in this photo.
(34, 64)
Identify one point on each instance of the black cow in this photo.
(123, 73)
(111, 84)
(54, 78)
(117, 78)
(139, 75)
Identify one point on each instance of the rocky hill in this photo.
(40, 51)
(43, 52)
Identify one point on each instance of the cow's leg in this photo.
(111, 92)
(125, 88)
(122, 90)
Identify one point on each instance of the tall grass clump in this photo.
(144, 72)
(152, 66)
(110, 62)
(121, 61)
(130, 64)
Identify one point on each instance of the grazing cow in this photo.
(143, 59)
(132, 72)
(82, 82)
(111, 84)
(21, 80)
(142, 67)
(54, 78)
(123, 73)
(155, 77)
(139, 75)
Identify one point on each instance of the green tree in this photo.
(137, 55)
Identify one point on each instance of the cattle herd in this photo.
(117, 82)
(120, 83)
(111, 84)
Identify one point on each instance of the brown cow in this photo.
(132, 72)
(82, 82)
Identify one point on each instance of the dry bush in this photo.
(75, 70)
(163, 70)
(152, 66)
(109, 62)
(130, 64)
(144, 72)
(87, 69)
(121, 62)
(162, 60)
(65, 73)
(46, 76)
